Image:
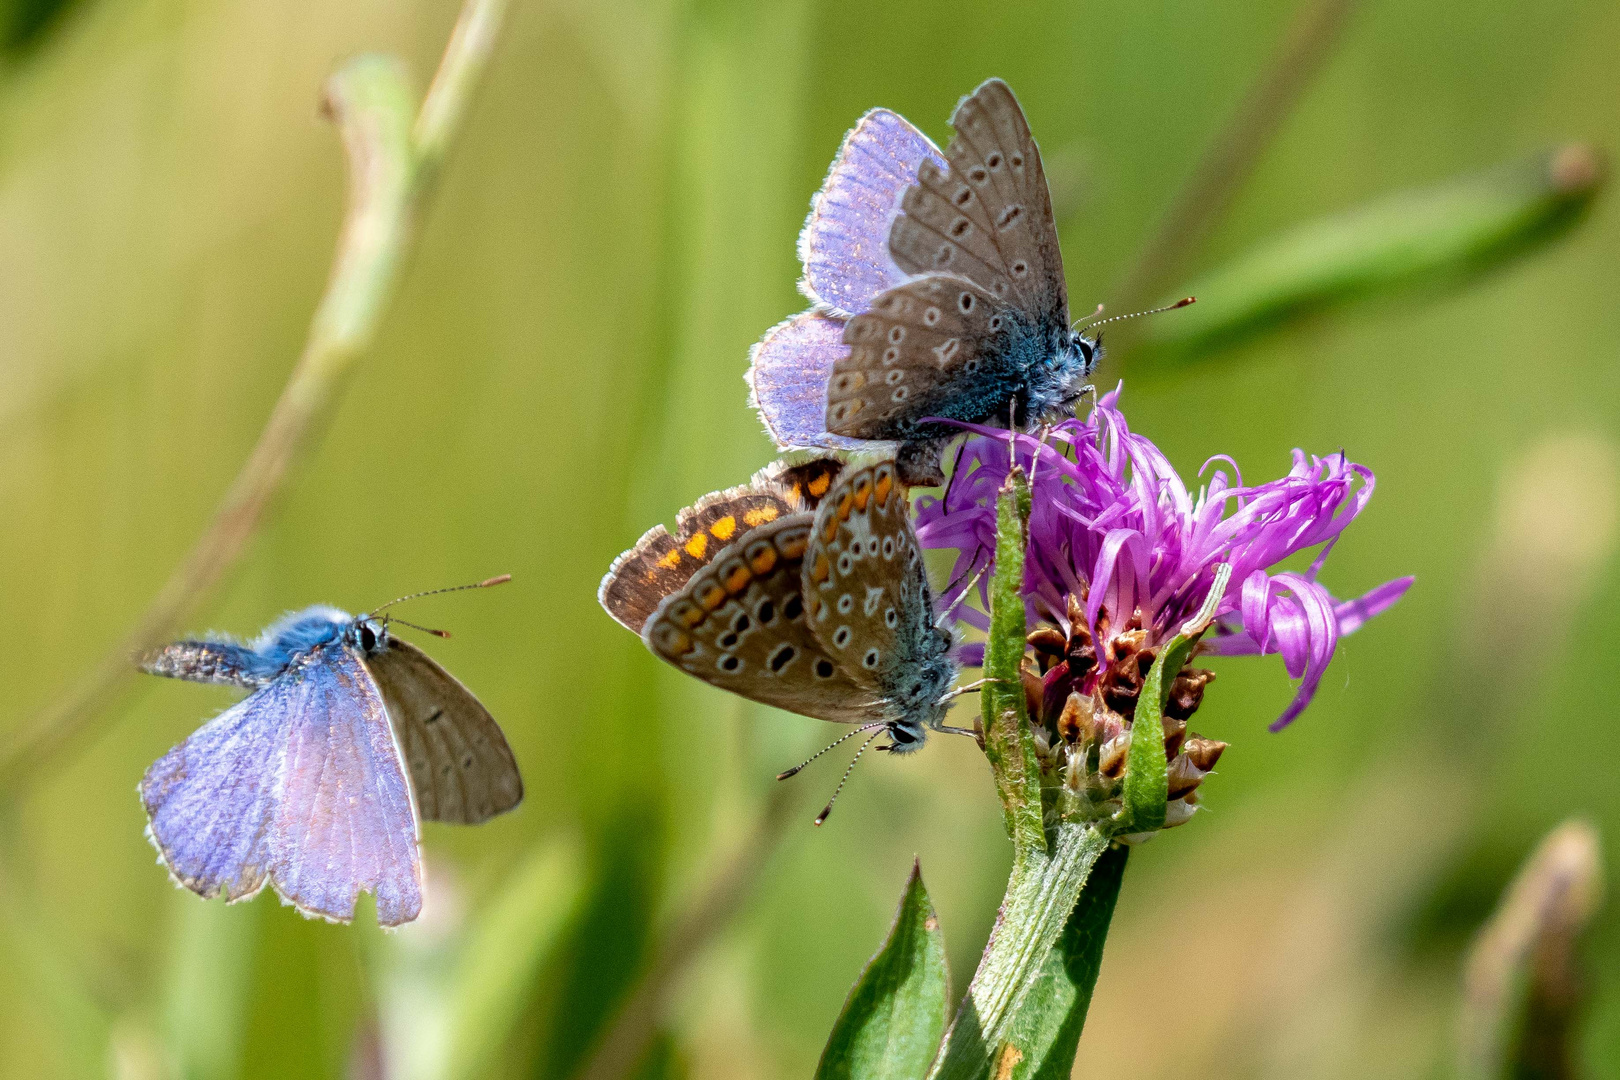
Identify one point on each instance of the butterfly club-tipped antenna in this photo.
(499, 579)
(1093, 322)
(842, 780)
(830, 746)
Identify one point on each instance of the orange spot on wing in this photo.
(863, 492)
(755, 518)
(830, 533)
(885, 482)
(820, 484)
(722, 529)
(711, 595)
(792, 547)
(764, 560)
(844, 505)
(737, 579)
(670, 559)
(696, 546)
(820, 571)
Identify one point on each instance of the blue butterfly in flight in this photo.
(316, 782)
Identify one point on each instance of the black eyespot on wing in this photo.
(782, 657)
(766, 612)
(741, 623)
(824, 668)
(730, 664)
(792, 607)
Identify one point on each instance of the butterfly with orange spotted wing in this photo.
(817, 605)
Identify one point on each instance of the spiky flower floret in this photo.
(1120, 553)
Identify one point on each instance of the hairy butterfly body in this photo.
(939, 293)
(824, 611)
(316, 782)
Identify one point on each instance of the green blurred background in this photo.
(563, 368)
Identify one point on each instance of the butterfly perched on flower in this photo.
(316, 782)
(814, 601)
(938, 290)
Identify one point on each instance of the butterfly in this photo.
(938, 289)
(316, 782)
(818, 604)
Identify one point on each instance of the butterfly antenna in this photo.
(845, 778)
(1090, 324)
(836, 742)
(486, 583)
(1089, 319)
(416, 626)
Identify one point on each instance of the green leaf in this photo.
(1147, 785)
(1046, 1031)
(1007, 739)
(893, 1019)
(1524, 988)
(1449, 232)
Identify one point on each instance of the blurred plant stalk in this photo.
(1311, 39)
(1523, 988)
(1438, 235)
(395, 152)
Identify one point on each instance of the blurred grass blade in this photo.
(1046, 1031)
(894, 1017)
(1446, 233)
(508, 945)
(1523, 987)
(449, 1007)
(1007, 742)
(1147, 782)
(211, 966)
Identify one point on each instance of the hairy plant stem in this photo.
(1050, 867)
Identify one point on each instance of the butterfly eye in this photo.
(368, 639)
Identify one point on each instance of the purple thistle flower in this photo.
(1119, 546)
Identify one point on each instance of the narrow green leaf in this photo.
(1449, 232)
(894, 1017)
(1147, 785)
(1007, 739)
(1046, 1031)
(1524, 990)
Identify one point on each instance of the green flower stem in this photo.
(1007, 741)
(1049, 871)
(394, 152)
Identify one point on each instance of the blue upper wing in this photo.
(301, 785)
